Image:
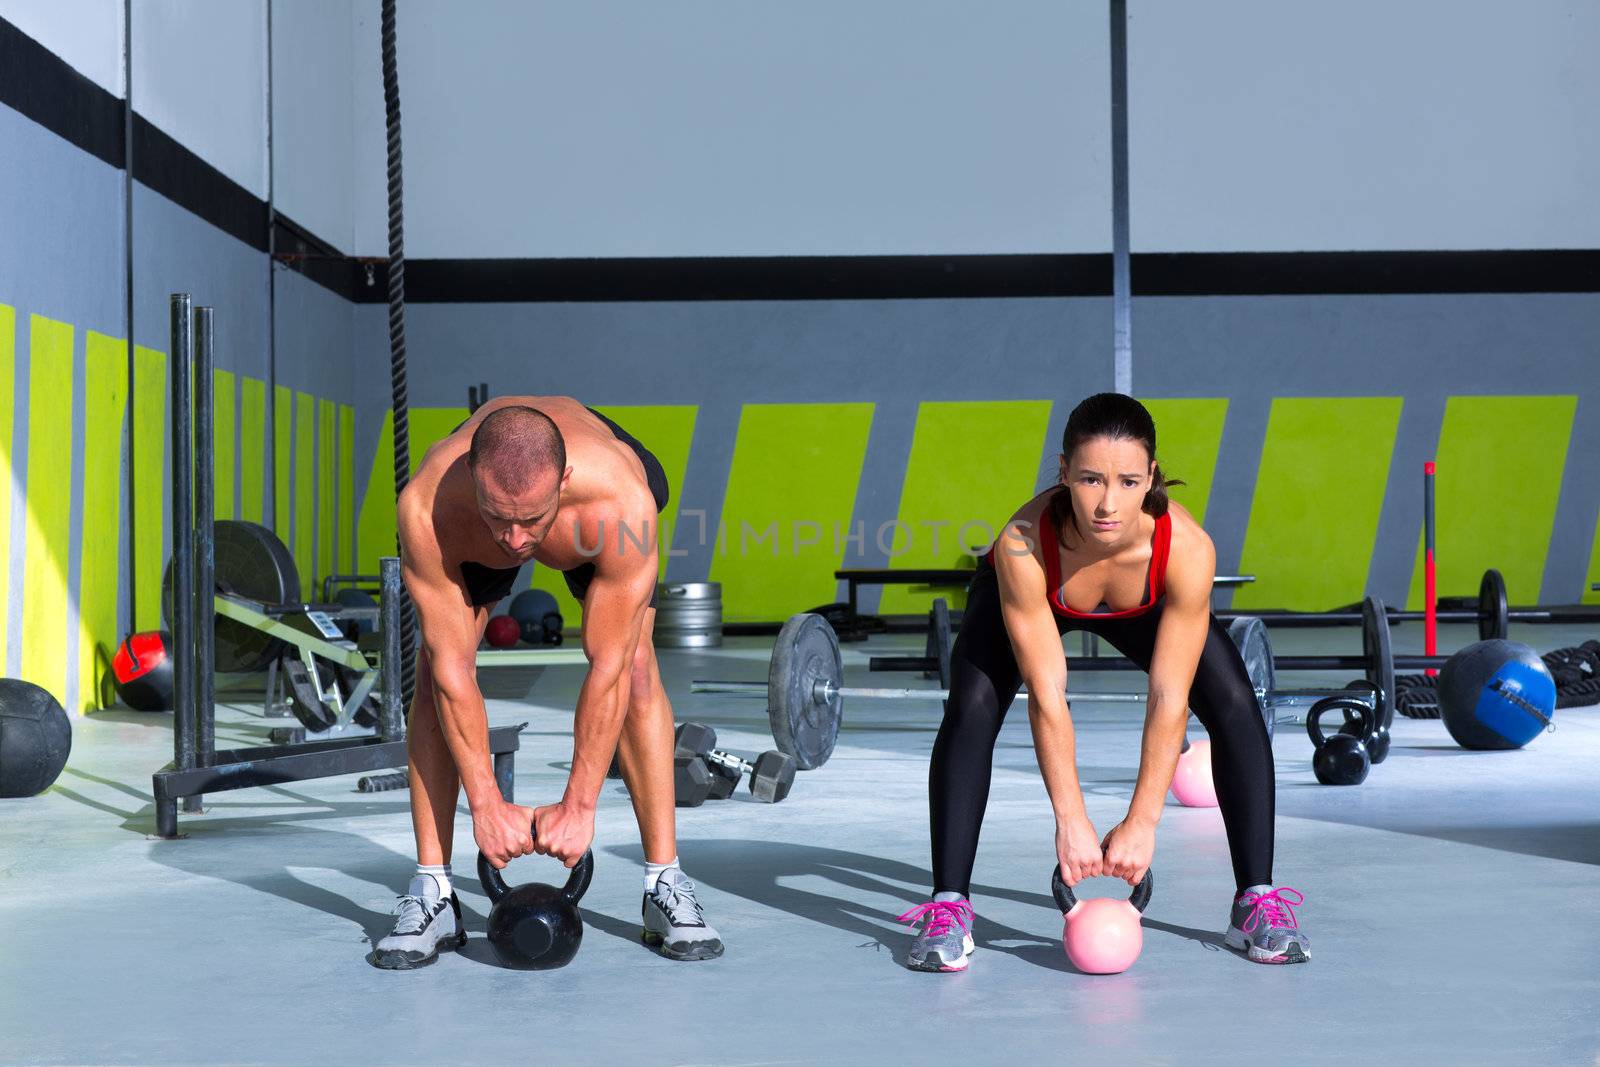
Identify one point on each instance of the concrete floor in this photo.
(1451, 900)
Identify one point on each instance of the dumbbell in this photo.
(771, 775)
(692, 778)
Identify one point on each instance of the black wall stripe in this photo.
(46, 89)
(1326, 273)
(162, 164)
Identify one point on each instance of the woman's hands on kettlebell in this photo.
(1129, 848)
(1078, 850)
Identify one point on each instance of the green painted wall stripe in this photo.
(305, 490)
(223, 389)
(667, 431)
(49, 507)
(792, 464)
(8, 387)
(252, 449)
(1188, 438)
(1499, 477)
(375, 527)
(1319, 492)
(376, 530)
(282, 460)
(105, 401)
(150, 474)
(956, 493)
(344, 551)
(327, 445)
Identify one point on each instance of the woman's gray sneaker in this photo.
(944, 943)
(1263, 926)
(427, 925)
(674, 923)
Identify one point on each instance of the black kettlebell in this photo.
(1341, 759)
(1378, 743)
(535, 927)
(543, 631)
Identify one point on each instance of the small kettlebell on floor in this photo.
(1192, 783)
(535, 927)
(1102, 936)
(1341, 759)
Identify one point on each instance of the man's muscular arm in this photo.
(450, 656)
(614, 611)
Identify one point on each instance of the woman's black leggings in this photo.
(984, 681)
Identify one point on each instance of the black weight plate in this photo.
(250, 562)
(1493, 623)
(1249, 636)
(303, 700)
(805, 653)
(1379, 654)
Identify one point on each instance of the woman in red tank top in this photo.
(1103, 552)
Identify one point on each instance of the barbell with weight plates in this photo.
(805, 687)
(1493, 615)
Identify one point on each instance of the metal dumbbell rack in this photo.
(197, 768)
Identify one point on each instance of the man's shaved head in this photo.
(514, 447)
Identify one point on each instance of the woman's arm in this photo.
(1180, 638)
(1036, 643)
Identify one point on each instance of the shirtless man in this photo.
(547, 479)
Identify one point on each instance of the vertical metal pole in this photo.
(205, 554)
(1121, 273)
(1430, 588)
(182, 543)
(504, 775)
(131, 622)
(392, 713)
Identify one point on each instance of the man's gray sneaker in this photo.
(945, 941)
(426, 926)
(1263, 927)
(674, 923)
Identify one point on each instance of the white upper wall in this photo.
(313, 151)
(1259, 125)
(200, 74)
(716, 127)
(85, 33)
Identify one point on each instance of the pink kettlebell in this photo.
(1192, 783)
(1102, 936)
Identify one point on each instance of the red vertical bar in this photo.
(1429, 585)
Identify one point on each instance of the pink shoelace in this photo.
(1273, 910)
(940, 913)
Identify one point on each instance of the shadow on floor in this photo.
(758, 871)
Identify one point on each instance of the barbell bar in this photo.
(805, 686)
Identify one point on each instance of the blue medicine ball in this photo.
(1496, 694)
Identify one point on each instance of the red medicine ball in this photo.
(142, 669)
(502, 632)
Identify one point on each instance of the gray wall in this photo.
(1257, 125)
(619, 128)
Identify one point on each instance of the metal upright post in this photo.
(205, 554)
(183, 704)
(1121, 273)
(392, 714)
